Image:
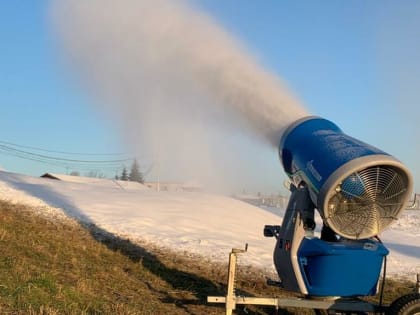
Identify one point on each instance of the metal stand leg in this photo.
(230, 296)
(230, 300)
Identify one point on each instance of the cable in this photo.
(8, 148)
(60, 152)
(381, 293)
(80, 165)
(107, 165)
(383, 283)
(110, 167)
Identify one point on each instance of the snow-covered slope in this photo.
(196, 223)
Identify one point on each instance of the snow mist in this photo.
(176, 83)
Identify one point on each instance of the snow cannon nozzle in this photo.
(358, 189)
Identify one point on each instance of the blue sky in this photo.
(40, 106)
(353, 62)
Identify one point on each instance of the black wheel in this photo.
(406, 305)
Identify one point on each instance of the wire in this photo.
(60, 152)
(64, 162)
(381, 294)
(383, 283)
(61, 159)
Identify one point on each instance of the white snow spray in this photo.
(175, 81)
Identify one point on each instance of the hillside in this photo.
(198, 223)
(53, 266)
(84, 246)
(57, 267)
(195, 223)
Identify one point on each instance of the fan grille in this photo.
(367, 201)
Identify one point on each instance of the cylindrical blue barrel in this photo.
(315, 148)
(357, 188)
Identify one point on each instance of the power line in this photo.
(113, 165)
(11, 149)
(31, 153)
(62, 164)
(60, 152)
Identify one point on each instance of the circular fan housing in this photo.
(363, 203)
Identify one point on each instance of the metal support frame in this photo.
(231, 300)
(418, 283)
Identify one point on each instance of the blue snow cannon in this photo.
(358, 189)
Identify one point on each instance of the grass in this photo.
(55, 267)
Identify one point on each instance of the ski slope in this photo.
(188, 222)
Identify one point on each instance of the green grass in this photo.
(52, 267)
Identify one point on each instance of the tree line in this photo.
(133, 175)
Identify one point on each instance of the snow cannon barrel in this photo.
(358, 189)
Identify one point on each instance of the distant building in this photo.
(51, 176)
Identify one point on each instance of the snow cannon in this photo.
(358, 190)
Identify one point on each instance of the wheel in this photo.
(406, 305)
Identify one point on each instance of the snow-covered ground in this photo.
(191, 222)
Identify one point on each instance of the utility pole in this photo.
(158, 178)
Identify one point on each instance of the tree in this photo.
(135, 174)
(74, 173)
(124, 175)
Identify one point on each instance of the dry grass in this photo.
(51, 267)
